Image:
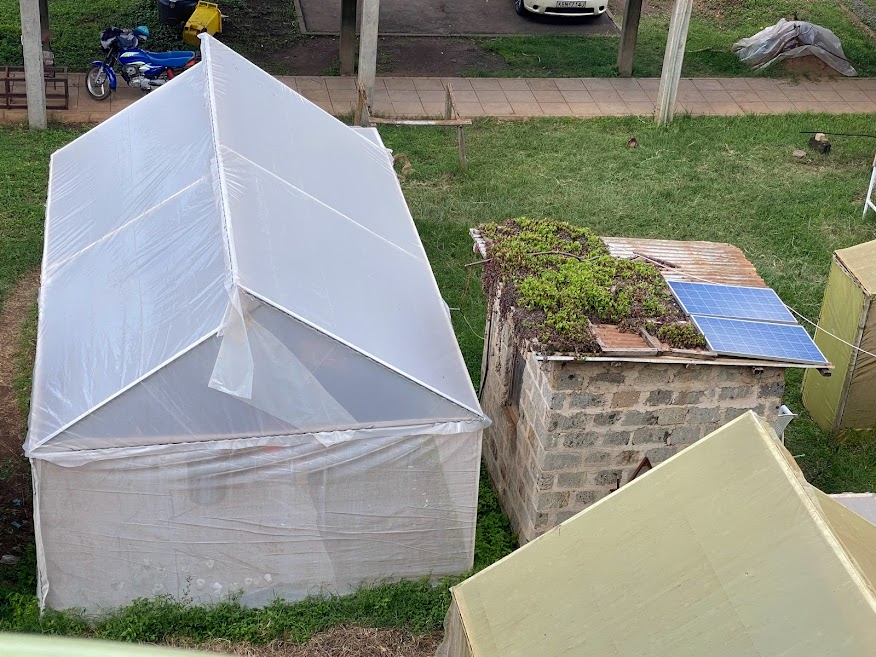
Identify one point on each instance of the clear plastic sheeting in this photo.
(286, 519)
(791, 39)
(250, 308)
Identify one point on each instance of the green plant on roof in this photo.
(682, 335)
(563, 277)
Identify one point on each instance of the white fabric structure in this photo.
(723, 550)
(246, 379)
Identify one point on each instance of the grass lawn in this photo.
(715, 25)
(722, 179)
(254, 28)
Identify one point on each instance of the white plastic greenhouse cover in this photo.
(249, 268)
(246, 380)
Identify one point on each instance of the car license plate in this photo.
(570, 3)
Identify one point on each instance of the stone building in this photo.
(567, 430)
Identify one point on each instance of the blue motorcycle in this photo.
(139, 68)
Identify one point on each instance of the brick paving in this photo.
(530, 97)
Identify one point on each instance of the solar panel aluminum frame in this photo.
(780, 359)
(789, 319)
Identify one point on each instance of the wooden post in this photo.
(672, 61)
(362, 115)
(348, 37)
(34, 75)
(45, 31)
(450, 112)
(368, 46)
(627, 49)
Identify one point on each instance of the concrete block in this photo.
(570, 480)
(605, 477)
(770, 390)
(738, 392)
(651, 435)
(659, 454)
(586, 497)
(625, 399)
(579, 439)
(556, 400)
(703, 415)
(659, 398)
(586, 399)
(639, 419)
(547, 501)
(607, 419)
(617, 438)
(560, 421)
(686, 435)
(594, 457)
(672, 415)
(561, 460)
(689, 397)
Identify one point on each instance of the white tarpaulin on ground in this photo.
(246, 379)
(723, 550)
(791, 39)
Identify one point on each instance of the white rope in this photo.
(800, 315)
(835, 337)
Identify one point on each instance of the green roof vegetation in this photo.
(558, 278)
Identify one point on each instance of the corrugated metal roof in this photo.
(692, 261)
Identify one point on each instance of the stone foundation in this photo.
(565, 433)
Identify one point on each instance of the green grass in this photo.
(714, 27)
(253, 27)
(24, 166)
(721, 179)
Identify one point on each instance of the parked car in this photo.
(570, 8)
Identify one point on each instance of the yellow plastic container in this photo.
(206, 18)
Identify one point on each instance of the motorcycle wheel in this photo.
(97, 84)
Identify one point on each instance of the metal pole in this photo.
(348, 37)
(672, 61)
(627, 49)
(34, 76)
(368, 47)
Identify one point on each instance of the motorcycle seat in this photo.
(172, 59)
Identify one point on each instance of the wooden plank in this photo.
(672, 61)
(627, 49)
(348, 37)
(421, 122)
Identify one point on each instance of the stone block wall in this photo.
(564, 433)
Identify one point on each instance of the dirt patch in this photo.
(345, 641)
(15, 490)
(400, 56)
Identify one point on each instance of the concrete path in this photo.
(501, 97)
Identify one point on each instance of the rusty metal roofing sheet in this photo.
(693, 261)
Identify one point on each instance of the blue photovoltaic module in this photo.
(737, 337)
(735, 302)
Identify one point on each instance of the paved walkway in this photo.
(587, 97)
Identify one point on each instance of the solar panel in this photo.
(736, 302)
(740, 337)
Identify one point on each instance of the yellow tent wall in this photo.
(723, 550)
(847, 399)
